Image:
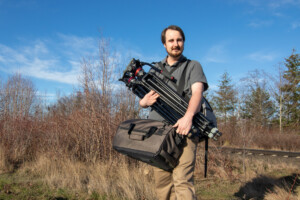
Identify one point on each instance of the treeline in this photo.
(263, 99)
(81, 126)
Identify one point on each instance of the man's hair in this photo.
(171, 27)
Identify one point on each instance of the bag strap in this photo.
(182, 80)
(205, 157)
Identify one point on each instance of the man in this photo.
(179, 184)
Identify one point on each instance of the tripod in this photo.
(170, 105)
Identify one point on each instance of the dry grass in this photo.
(245, 133)
(115, 179)
(266, 187)
(242, 177)
(281, 194)
(123, 178)
(74, 152)
(2, 160)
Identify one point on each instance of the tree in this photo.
(291, 89)
(257, 105)
(277, 93)
(17, 97)
(225, 99)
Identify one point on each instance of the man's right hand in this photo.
(149, 99)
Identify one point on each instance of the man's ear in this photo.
(165, 45)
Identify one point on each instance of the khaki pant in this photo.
(178, 184)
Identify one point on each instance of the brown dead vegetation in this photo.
(70, 144)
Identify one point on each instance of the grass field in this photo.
(228, 178)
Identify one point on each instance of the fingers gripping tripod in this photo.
(170, 105)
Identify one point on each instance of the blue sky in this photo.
(46, 40)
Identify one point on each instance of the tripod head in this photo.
(133, 72)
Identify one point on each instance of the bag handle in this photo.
(141, 134)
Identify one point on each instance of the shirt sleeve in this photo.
(197, 75)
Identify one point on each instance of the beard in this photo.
(175, 52)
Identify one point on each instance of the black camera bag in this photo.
(150, 141)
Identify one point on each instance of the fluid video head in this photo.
(133, 72)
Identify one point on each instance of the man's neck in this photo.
(172, 60)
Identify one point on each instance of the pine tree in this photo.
(258, 106)
(226, 97)
(291, 90)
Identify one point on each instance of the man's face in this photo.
(174, 43)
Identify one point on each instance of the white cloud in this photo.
(217, 54)
(127, 51)
(262, 56)
(47, 96)
(75, 46)
(295, 25)
(45, 69)
(271, 4)
(260, 23)
(57, 60)
(273, 7)
(274, 4)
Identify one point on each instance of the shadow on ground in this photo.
(259, 186)
(58, 198)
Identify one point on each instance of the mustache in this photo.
(176, 48)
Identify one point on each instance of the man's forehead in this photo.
(173, 33)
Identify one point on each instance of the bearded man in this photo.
(179, 184)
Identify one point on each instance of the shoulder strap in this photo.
(168, 75)
(182, 80)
